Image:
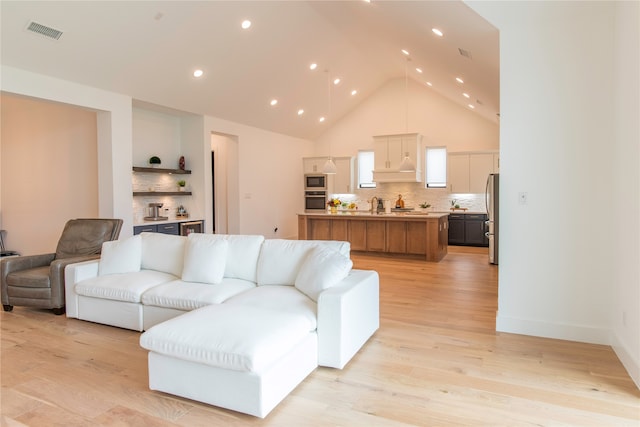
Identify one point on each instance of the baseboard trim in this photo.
(561, 331)
(626, 357)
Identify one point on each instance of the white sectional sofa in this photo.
(231, 320)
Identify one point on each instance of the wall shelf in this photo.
(162, 193)
(161, 170)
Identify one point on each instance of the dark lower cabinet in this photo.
(456, 229)
(467, 230)
(172, 228)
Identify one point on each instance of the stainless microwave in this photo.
(315, 182)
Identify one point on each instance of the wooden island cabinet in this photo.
(422, 235)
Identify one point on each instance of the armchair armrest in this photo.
(73, 274)
(11, 264)
(348, 314)
(56, 275)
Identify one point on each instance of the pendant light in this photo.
(329, 167)
(406, 165)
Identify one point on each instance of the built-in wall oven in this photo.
(315, 201)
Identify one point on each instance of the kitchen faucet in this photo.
(374, 206)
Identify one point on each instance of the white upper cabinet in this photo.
(458, 173)
(313, 164)
(468, 172)
(389, 150)
(342, 181)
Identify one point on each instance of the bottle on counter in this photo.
(399, 202)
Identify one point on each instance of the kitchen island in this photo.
(395, 233)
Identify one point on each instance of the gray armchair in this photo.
(38, 280)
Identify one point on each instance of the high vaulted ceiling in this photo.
(149, 50)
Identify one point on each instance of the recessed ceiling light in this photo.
(353, 92)
(459, 80)
(274, 102)
(419, 70)
(246, 24)
(198, 73)
(321, 119)
(313, 66)
(429, 84)
(437, 32)
(472, 106)
(336, 81)
(300, 112)
(466, 95)
(406, 52)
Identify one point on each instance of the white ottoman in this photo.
(237, 357)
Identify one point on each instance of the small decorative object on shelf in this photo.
(182, 212)
(181, 163)
(182, 184)
(155, 161)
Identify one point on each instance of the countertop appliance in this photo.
(315, 182)
(492, 198)
(154, 209)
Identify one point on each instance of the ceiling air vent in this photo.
(464, 53)
(49, 32)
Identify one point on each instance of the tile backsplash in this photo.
(158, 182)
(413, 194)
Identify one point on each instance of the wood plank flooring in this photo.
(436, 361)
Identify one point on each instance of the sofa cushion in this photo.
(189, 295)
(280, 260)
(242, 255)
(163, 252)
(228, 336)
(280, 298)
(322, 269)
(127, 287)
(121, 256)
(204, 258)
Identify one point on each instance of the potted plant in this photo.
(424, 206)
(155, 161)
(181, 184)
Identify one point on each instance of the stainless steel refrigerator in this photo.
(492, 198)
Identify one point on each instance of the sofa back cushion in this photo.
(121, 256)
(242, 255)
(204, 259)
(323, 268)
(163, 252)
(280, 260)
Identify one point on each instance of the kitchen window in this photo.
(365, 169)
(436, 167)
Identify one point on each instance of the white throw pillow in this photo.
(322, 269)
(204, 258)
(120, 256)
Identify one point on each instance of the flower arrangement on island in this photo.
(334, 203)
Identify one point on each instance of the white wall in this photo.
(114, 134)
(560, 265)
(625, 313)
(440, 122)
(270, 184)
(48, 174)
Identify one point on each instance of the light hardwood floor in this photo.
(436, 361)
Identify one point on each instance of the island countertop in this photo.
(425, 234)
(382, 215)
